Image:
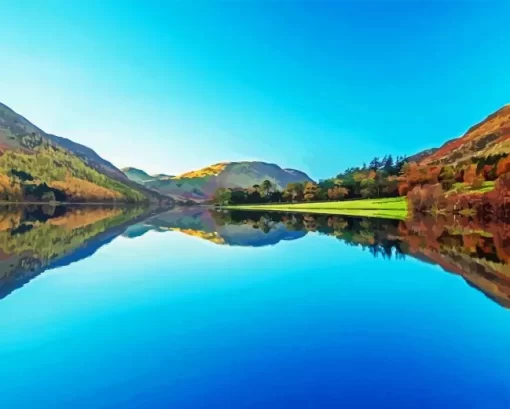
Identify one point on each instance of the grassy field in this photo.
(392, 208)
(465, 188)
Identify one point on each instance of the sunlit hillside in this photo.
(489, 137)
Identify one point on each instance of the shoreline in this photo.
(394, 208)
(338, 212)
(74, 203)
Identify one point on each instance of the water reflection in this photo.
(37, 238)
(34, 239)
(476, 250)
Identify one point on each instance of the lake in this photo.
(197, 308)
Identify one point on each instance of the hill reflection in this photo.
(476, 250)
(37, 238)
(233, 229)
(34, 239)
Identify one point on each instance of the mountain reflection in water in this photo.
(34, 239)
(38, 238)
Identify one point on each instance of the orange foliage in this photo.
(496, 124)
(337, 192)
(487, 171)
(503, 166)
(310, 191)
(403, 188)
(77, 218)
(79, 189)
(470, 174)
(212, 170)
(420, 175)
(9, 191)
(10, 219)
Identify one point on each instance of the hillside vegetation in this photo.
(213, 170)
(38, 167)
(466, 175)
(137, 175)
(52, 174)
(200, 185)
(485, 139)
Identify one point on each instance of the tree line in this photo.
(377, 179)
(437, 187)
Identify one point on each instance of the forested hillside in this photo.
(35, 167)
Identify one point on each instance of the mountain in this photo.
(200, 185)
(140, 176)
(418, 157)
(40, 167)
(14, 130)
(487, 138)
(137, 175)
(162, 176)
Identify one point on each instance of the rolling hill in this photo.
(40, 167)
(488, 138)
(137, 175)
(162, 176)
(200, 185)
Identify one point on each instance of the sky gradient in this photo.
(308, 85)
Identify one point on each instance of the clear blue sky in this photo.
(309, 85)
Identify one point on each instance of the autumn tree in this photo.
(415, 174)
(310, 191)
(477, 183)
(503, 166)
(368, 187)
(470, 174)
(294, 191)
(489, 172)
(390, 186)
(266, 187)
(447, 177)
(337, 193)
(429, 198)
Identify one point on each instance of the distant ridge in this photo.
(200, 184)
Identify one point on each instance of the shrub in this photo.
(429, 198)
(477, 183)
(503, 166)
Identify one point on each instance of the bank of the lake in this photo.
(393, 208)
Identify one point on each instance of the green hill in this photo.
(200, 185)
(137, 175)
(40, 167)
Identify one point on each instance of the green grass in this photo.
(391, 208)
(465, 188)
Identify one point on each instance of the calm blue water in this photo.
(167, 320)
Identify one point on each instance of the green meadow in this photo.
(393, 208)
